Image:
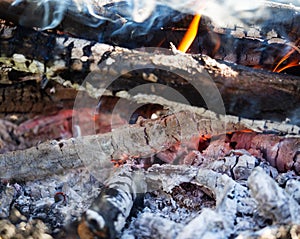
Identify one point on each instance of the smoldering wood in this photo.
(136, 141)
(283, 128)
(273, 96)
(27, 99)
(140, 140)
(233, 199)
(272, 148)
(274, 142)
(16, 136)
(281, 158)
(258, 45)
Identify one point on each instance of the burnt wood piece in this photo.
(56, 123)
(260, 42)
(97, 151)
(264, 189)
(246, 92)
(108, 213)
(27, 99)
(274, 20)
(281, 152)
(143, 139)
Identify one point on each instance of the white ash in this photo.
(168, 176)
(6, 197)
(209, 224)
(160, 227)
(238, 165)
(164, 204)
(183, 201)
(273, 201)
(273, 232)
(232, 199)
(35, 199)
(293, 188)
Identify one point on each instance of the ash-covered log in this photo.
(143, 139)
(97, 151)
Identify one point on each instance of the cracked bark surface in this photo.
(27, 99)
(246, 92)
(140, 140)
(131, 141)
(261, 44)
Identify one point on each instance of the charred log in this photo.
(108, 214)
(69, 61)
(142, 139)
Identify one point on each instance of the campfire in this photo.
(149, 119)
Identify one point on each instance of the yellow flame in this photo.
(190, 35)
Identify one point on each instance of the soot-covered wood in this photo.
(245, 91)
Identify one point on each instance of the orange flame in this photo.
(291, 64)
(190, 35)
(284, 58)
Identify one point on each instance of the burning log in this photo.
(231, 179)
(243, 89)
(262, 44)
(281, 152)
(265, 22)
(140, 140)
(17, 99)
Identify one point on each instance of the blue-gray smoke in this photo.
(49, 13)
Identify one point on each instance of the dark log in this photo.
(262, 44)
(27, 99)
(246, 92)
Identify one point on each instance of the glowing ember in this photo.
(190, 34)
